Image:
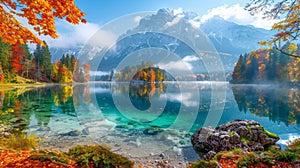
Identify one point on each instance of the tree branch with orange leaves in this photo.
(40, 14)
(288, 11)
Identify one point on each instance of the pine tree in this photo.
(46, 61)
(251, 69)
(238, 72)
(272, 64)
(5, 55)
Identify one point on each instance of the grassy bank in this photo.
(18, 150)
(237, 158)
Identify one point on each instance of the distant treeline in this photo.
(17, 61)
(268, 66)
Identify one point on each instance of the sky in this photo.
(100, 12)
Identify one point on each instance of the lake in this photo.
(141, 120)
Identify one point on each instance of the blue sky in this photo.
(100, 12)
(103, 11)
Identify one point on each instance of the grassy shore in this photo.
(11, 86)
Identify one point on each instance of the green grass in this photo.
(218, 156)
(237, 151)
(247, 160)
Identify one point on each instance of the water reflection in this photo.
(17, 106)
(102, 111)
(279, 104)
(140, 94)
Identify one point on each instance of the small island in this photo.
(143, 73)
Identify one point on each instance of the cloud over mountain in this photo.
(239, 15)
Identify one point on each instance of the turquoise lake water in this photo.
(144, 119)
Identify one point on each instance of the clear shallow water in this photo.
(145, 120)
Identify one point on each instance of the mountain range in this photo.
(229, 39)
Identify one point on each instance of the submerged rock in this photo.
(71, 133)
(248, 135)
(153, 130)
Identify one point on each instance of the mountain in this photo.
(161, 29)
(56, 53)
(229, 37)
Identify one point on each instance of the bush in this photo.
(267, 160)
(22, 141)
(294, 146)
(98, 156)
(204, 164)
(286, 156)
(218, 156)
(249, 159)
(237, 151)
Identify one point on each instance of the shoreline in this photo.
(11, 86)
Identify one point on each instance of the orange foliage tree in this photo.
(287, 11)
(40, 14)
(86, 68)
(17, 58)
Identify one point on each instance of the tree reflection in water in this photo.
(277, 103)
(140, 94)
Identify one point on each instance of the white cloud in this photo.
(137, 19)
(103, 38)
(186, 98)
(176, 66)
(178, 11)
(190, 58)
(174, 21)
(239, 15)
(194, 23)
(180, 65)
(72, 35)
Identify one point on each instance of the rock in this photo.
(71, 133)
(199, 139)
(152, 131)
(248, 135)
(162, 155)
(210, 155)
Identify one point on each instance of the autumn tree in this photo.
(18, 58)
(65, 75)
(55, 71)
(41, 15)
(86, 69)
(288, 11)
(269, 65)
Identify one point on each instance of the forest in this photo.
(269, 66)
(19, 65)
